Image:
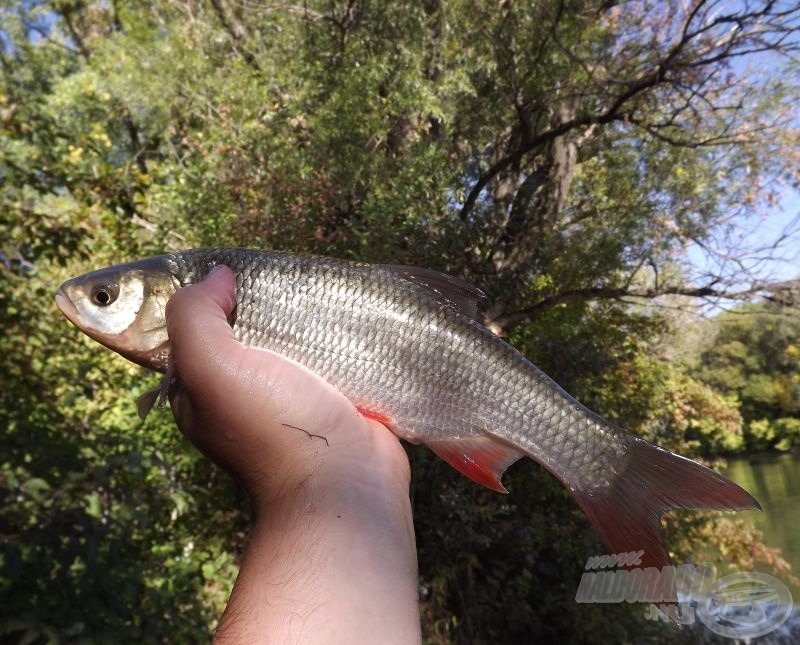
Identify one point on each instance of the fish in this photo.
(406, 346)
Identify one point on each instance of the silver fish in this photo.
(405, 346)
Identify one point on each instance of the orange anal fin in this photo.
(483, 459)
(376, 416)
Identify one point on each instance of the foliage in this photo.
(560, 155)
(754, 357)
(108, 525)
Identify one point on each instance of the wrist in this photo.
(332, 557)
(364, 467)
(325, 570)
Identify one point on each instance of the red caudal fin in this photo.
(483, 459)
(652, 480)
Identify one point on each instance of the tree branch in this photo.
(236, 30)
(612, 113)
(755, 31)
(773, 291)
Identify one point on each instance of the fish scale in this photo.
(405, 346)
(545, 421)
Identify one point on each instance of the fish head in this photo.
(124, 308)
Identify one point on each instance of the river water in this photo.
(774, 480)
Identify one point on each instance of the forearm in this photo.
(332, 561)
(331, 557)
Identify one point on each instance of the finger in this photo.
(183, 411)
(181, 408)
(202, 341)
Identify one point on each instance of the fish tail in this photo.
(627, 513)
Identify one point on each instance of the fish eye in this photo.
(104, 294)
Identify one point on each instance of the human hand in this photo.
(332, 556)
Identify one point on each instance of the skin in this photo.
(331, 556)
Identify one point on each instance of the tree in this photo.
(753, 355)
(561, 155)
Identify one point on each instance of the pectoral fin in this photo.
(157, 396)
(146, 402)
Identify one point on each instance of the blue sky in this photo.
(761, 232)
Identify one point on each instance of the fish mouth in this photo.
(67, 308)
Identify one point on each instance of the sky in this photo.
(787, 266)
(761, 232)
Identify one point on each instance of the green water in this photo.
(774, 480)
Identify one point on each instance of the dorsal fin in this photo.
(458, 293)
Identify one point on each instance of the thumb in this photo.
(202, 341)
(197, 319)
